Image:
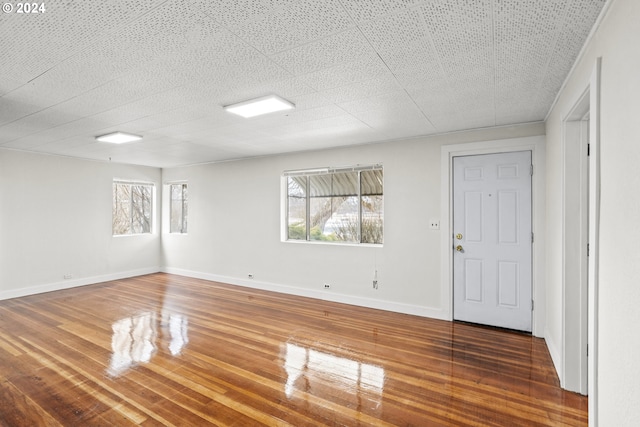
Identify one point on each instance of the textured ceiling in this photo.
(358, 71)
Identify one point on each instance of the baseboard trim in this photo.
(396, 307)
(73, 283)
(556, 357)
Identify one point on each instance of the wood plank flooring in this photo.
(168, 350)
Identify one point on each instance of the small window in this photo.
(178, 213)
(336, 205)
(132, 208)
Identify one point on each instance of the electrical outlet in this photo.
(250, 276)
(68, 276)
(375, 284)
(327, 286)
(434, 224)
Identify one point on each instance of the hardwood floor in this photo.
(168, 350)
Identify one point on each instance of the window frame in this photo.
(184, 209)
(152, 207)
(308, 173)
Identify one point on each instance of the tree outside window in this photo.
(178, 208)
(337, 206)
(132, 208)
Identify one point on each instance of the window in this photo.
(178, 208)
(132, 207)
(336, 205)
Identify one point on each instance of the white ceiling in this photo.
(358, 71)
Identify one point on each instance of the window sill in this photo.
(325, 243)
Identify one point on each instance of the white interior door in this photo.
(492, 239)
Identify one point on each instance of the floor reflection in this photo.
(178, 326)
(339, 373)
(135, 339)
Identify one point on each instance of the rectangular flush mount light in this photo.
(259, 106)
(118, 137)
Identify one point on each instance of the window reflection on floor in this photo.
(350, 376)
(135, 339)
(178, 326)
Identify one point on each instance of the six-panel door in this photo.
(492, 239)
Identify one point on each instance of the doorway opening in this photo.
(581, 201)
(575, 246)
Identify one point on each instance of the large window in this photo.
(336, 205)
(178, 208)
(132, 207)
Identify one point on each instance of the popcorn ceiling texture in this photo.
(358, 71)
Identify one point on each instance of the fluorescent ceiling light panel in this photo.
(259, 106)
(118, 137)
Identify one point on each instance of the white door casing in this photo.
(492, 240)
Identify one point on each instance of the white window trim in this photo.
(284, 208)
(168, 185)
(152, 228)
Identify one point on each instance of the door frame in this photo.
(535, 144)
(594, 239)
(575, 232)
(579, 372)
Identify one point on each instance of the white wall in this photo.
(235, 226)
(616, 41)
(55, 220)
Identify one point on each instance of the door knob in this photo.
(459, 248)
(459, 236)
